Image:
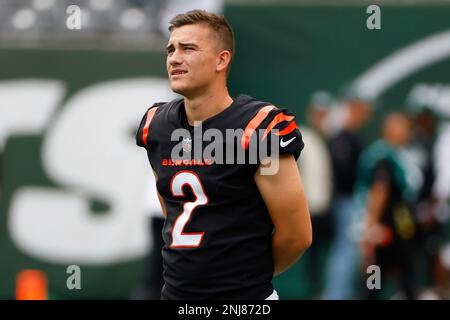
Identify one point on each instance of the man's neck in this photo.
(203, 107)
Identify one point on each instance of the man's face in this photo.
(397, 128)
(317, 117)
(192, 57)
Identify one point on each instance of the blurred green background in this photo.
(285, 53)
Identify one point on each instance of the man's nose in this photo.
(175, 57)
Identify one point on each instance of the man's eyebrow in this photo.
(183, 44)
(187, 44)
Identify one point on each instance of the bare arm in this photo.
(286, 202)
(374, 232)
(378, 196)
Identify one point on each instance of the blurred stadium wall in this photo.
(73, 187)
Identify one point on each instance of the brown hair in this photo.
(216, 22)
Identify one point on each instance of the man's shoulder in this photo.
(254, 105)
(166, 105)
(249, 102)
(156, 119)
(164, 110)
(247, 107)
(261, 112)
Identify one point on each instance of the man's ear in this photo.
(223, 60)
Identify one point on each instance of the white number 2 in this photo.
(181, 239)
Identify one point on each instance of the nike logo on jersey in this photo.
(285, 143)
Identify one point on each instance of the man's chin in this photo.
(180, 90)
(176, 87)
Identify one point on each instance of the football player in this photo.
(235, 217)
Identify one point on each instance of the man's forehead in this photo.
(192, 33)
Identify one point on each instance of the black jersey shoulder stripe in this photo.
(291, 127)
(148, 120)
(279, 118)
(255, 123)
(143, 130)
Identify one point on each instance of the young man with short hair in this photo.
(227, 178)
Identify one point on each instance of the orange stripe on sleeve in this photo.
(278, 118)
(150, 115)
(253, 124)
(291, 127)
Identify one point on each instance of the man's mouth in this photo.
(177, 72)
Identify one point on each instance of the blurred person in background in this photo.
(441, 161)
(345, 148)
(430, 221)
(439, 201)
(1, 175)
(317, 112)
(387, 183)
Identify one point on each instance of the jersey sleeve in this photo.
(143, 131)
(383, 171)
(279, 134)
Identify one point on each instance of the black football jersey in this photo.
(218, 232)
